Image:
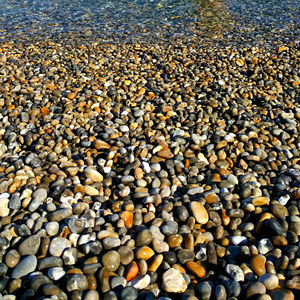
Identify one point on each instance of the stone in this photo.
(56, 273)
(165, 153)
(140, 282)
(40, 193)
(205, 290)
(75, 225)
(143, 238)
(239, 240)
(293, 283)
(220, 292)
(30, 245)
(76, 282)
(258, 264)
(133, 271)
(52, 228)
(175, 240)
(173, 281)
(93, 174)
(50, 262)
(281, 294)
(255, 289)
(118, 282)
(26, 266)
(185, 255)
(126, 255)
(264, 246)
(129, 293)
(12, 258)
(58, 246)
(111, 260)
(110, 243)
(91, 191)
(99, 144)
(270, 281)
(91, 295)
(156, 262)
(272, 227)
(170, 228)
(60, 214)
(235, 272)
(196, 268)
(3, 269)
(144, 253)
(127, 217)
(4, 210)
(199, 212)
(160, 246)
(70, 256)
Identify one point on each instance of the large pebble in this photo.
(199, 212)
(111, 260)
(270, 281)
(58, 245)
(25, 267)
(93, 174)
(173, 281)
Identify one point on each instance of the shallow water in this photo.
(151, 19)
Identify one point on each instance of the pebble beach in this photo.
(149, 170)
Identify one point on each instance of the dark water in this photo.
(152, 19)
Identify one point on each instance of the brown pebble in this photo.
(258, 264)
(196, 268)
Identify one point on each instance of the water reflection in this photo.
(147, 19)
(213, 18)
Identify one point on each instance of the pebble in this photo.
(143, 238)
(111, 260)
(205, 290)
(258, 264)
(140, 282)
(235, 272)
(270, 281)
(220, 292)
(282, 294)
(56, 273)
(129, 293)
(144, 253)
(255, 289)
(24, 267)
(58, 245)
(173, 281)
(52, 228)
(264, 246)
(29, 246)
(12, 258)
(199, 212)
(126, 255)
(196, 268)
(93, 174)
(77, 282)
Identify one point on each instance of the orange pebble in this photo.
(45, 110)
(196, 268)
(158, 259)
(225, 218)
(71, 96)
(142, 91)
(127, 217)
(132, 272)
